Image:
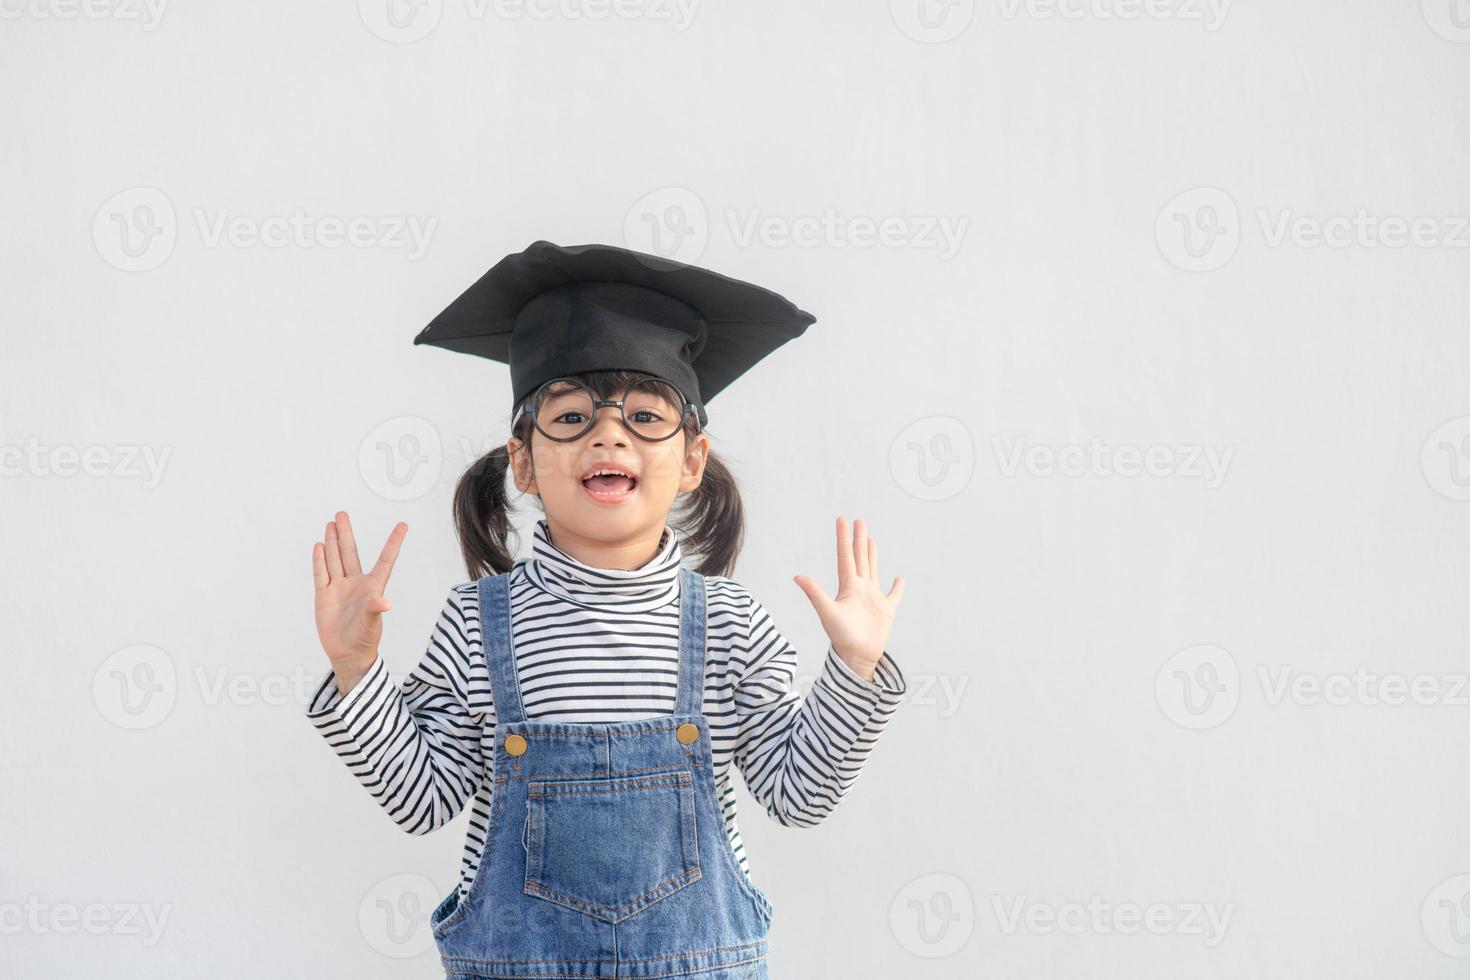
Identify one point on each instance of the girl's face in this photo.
(609, 509)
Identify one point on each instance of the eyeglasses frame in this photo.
(599, 403)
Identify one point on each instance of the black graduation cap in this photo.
(552, 310)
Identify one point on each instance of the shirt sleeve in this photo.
(415, 747)
(800, 756)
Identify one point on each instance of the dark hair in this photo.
(710, 519)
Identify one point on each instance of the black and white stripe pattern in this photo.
(602, 645)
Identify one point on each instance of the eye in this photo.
(571, 418)
(652, 415)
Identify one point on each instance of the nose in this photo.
(608, 416)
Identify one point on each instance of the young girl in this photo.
(591, 698)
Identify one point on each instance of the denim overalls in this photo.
(606, 854)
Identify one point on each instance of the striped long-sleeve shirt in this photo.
(602, 645)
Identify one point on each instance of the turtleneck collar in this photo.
(649, 586)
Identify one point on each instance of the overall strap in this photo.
(690, 700)
(495, 639)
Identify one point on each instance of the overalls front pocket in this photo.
(611, 846)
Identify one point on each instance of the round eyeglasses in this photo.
(564, 409)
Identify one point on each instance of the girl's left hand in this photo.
(859, 620)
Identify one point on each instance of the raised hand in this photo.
(349, 603)
(859, 620)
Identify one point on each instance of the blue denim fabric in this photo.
(607, 854)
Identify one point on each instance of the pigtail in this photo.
(712, 519)
(482, 515)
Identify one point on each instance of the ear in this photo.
(520, 465)
(695, 458)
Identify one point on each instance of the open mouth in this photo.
(610, 487)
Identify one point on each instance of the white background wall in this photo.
(1096, 721)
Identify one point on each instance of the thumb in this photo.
(807, 584)
(378, 605)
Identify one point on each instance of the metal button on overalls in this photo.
(607, 854)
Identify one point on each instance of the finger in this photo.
(896, 593)
(844, 553)
(319, 576)
(384, 567)
(334, 557)
(348, 544)
(873, 560)
(807, 584)
(860, 548)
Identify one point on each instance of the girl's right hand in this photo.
(350, 604)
